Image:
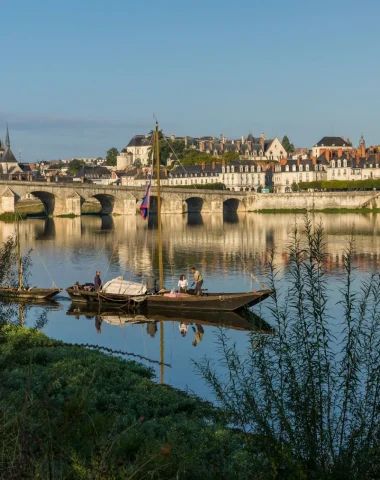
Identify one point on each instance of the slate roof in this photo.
(93, 172)
(333, 142)
(138, 141)
(8, 156)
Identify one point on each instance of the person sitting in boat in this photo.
(183, 327)
(151, 284)
(98, 323)
(182, 284)
(97, 281)
(198, 280)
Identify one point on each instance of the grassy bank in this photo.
(71, 412)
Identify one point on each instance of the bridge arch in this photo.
(108, 203)
(193, 205)
(232, 205)
(49, 200)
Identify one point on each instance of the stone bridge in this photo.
(66, 199)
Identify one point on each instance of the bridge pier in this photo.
(125, 207)
(8, 201)
(70, 205)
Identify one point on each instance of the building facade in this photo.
(136, 153)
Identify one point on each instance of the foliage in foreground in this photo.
(309, 396)
(68, 412)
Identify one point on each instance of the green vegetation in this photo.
(10, 217)
(71, 412)
(75, 165)
(67, 215)
(289, 147)
(308, 396)
(295, 187)
(341, 184)
(207, 186)
(112, 153)
(285, 210)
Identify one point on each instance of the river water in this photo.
(224, 250)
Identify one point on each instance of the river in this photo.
(66, 250)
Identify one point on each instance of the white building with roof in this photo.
(135, 153)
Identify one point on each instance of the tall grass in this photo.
(308, 397)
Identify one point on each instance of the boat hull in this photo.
(83, 296)
(222, 302)
(29, 295)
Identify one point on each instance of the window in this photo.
(333, 164)
(300, 168)
(307, 168)
(344, 163)
(259, 168)
(287, 168)
(344, 172)
(294, 168)
(339, 163)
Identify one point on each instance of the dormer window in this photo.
(252, 169)
(259, 168)
(232, 169)
(344, 163)
(300, 168)
(307, 168)
(287, 168)
(339, 163)
(294, 168)
(333, 164)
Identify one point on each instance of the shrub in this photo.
(307, 399)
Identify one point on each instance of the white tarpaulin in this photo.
(120, 286)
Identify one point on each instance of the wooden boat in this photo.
(222, 302)
(22, 293)
(228, 302)
(79, 294)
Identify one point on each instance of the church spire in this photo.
(7, 141)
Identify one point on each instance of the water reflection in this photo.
(66, 250)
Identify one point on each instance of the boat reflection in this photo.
(245, 320)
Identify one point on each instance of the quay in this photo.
(67, 199)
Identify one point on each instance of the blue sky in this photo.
(79, 77)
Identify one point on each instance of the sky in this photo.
(80, 77)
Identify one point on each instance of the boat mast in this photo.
(19, 262)
(160, 264)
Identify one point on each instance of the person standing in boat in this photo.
(97, 281)
(182, 284)
(198, 280)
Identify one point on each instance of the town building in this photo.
(332, 144)
(136, 153)
(8, 163)
(97, 175)
(235, 175)
(289, 173)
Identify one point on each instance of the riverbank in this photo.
(73, 412)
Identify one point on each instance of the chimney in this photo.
(213, 165)
(202, 146)
(340, 152)
(172, 137)
(298, 161)
(203, 165)
(314, 160)
(262, 142)
(327, 155)
(223, 163)
(249, 143)
(186, 140)
(238, 144)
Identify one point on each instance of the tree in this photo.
(112, 153)
(75, 165)
(230, 155)
(295, 187)
(289, 147)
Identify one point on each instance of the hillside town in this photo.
(245, 164)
